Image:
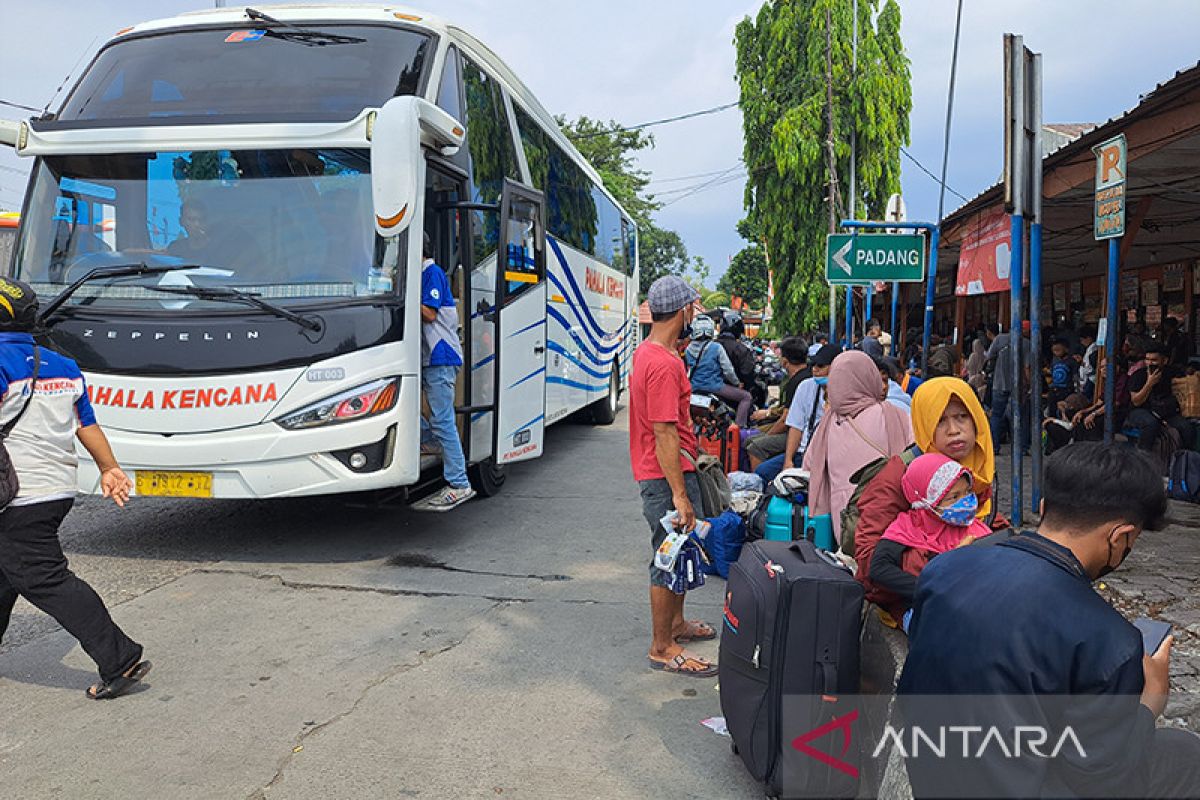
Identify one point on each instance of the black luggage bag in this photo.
(789, 656)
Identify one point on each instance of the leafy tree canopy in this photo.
(610, 150)
(781, 69)
(746, 276)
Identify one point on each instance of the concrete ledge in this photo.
(882, 656)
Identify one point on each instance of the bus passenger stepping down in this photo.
(441, 358)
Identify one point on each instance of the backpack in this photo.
(860, 479)
(715, 493)
(724, 543)
(1183, 477)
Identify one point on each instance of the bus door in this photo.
(520, 365)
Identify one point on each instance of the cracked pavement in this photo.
(313, 648)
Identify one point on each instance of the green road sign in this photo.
(867, 257)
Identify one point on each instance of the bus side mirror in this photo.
(9, 132)
(397, 132)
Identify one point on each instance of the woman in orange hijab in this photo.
(948, 419)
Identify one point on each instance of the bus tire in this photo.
(604, 411)
(487, 477)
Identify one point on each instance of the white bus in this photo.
(224, 224)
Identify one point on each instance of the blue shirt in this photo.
(439, 343)
(42, 445)
(1020, 619)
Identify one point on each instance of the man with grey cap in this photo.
(663, 452)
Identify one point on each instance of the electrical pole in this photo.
(831, 158)
(832, 163)
(854, 151)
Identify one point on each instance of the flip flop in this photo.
(121, 684)
(679, 666)
(706, 632)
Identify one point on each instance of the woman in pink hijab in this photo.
(858, 428)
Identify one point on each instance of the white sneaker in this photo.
(448, 498)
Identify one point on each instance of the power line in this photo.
(638, 127)
(924, 169)
(18, 105)
(689, 177)
(720, 180)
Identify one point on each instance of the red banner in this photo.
(983, 263)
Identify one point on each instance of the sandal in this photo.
(697, 631)
(684, 664)
(121, 684)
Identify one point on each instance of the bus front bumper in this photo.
(267, 460)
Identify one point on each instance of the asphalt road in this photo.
(309, 648)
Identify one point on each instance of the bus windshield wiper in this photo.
(231, 295)
(304, 36)
(99, 273)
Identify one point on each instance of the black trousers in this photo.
(1149, 425)
(33, 566)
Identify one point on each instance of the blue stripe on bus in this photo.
(478, 415)
(529, 424)
(562, 259)
(539, 323)
(583, 346)
(587, 387)
(558, 348)
(605, 348)
(484, 361)
(530, 376)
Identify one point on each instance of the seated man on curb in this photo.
(1154, 404)
(1017, 636)
(794, 354)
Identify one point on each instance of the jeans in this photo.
(770, 469)
(1149, 425)
(1000, 420)
(438, 383)
(33, 566)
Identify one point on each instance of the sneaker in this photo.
(450, 497)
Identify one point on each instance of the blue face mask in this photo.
(962, 512)
(821, 381)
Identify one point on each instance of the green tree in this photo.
(781, 70)
(717, 299)
(610, 150)
(701, 270)
(746, 276)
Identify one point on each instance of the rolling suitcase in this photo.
(723, 442)
(790, 643)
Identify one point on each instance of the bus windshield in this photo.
(252, 73)
(287, 224)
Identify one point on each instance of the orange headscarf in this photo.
(929, 403)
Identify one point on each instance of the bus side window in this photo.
(493, 153)
(449, 98)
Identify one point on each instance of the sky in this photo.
(633, 61)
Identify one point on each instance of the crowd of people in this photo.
(904, 464)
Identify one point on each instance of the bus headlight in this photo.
(360, 402)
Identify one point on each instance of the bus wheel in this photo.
(487, 477)
(604, 411)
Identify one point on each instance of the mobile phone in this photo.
(1153, 632)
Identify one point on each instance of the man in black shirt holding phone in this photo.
(1154, 404)
(1016, 632)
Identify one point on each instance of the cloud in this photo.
(634, 61)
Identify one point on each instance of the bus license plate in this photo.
(174, 484)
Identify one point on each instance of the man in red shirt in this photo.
(662, 449)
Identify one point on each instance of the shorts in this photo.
(656, 502)
(767, 445)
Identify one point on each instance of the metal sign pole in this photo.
(1110, 339)
(1014, 53)
(1034, 98)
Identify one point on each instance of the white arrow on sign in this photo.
(839, 258)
